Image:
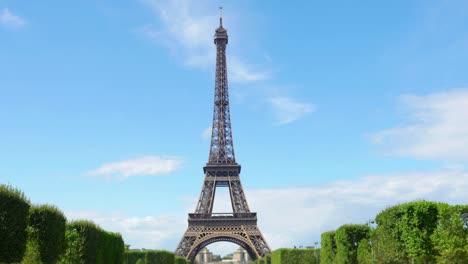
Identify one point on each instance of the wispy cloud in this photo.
(148, 165)
(305, 212)
(187, 31)
(10, 20)
(436, 129)
(288, 110)
(151, 232)
(242, 72)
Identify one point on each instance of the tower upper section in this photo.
(222, 146)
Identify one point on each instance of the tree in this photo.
(364, 252)
(328, 250)
(347, 239)
(417, 224)
(14, 216)
(48, 231)
(386, 238)
(450, 239)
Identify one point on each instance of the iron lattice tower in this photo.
(204, 226)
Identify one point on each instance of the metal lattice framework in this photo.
(222, 146)
(206, 227)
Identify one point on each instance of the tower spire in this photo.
(222, 147)
(221, 16)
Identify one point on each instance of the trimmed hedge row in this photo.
(347, 239)
(132, 256)
(39, 234)
(295, 256)
(47, 230)
(414, 232)
(14, 214)
(159, 257)
(88, 243)
(181, 260)
(264, 260)
(152, 257)
(328, 250)
(291, 256)
(421, 232)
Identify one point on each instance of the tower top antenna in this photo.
(221, 15)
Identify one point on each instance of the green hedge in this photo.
(450, 239)
(32, 254)
(132, 256)
(295, 256)
(328, 250)
(48, 231)
(88, 243)
(159, 257)
(415, 232)
(386, 238)
(14, 214)
(347, 239)
(418, 223)
(181, 260)
(136, 256)
(364, 252)
(405, 232)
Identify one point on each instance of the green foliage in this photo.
(133, 256)
(48, 230)
(294, 256)
(386, 238)
(417, 224)
(88, 243)
(347, 238)
(74, 250)
(136, 256)
(181, 260)
(32, 254)
(159, 257)
(450, 239)
(151, 257)
(111, 248)
(364, 252)
(14, 214)
(328, 250)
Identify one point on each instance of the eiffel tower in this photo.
(204, 226)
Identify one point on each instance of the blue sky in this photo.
(339, 109)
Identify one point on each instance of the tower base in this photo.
(238, 228)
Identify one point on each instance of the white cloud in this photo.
(187, 30)
(10, 20)
(437, 129)
(297, 216)
(206, 134)
(150, 232)
(288, 110)
(148, 165)
(242, 72)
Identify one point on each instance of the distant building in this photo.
(204, 257)
(240, 256)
